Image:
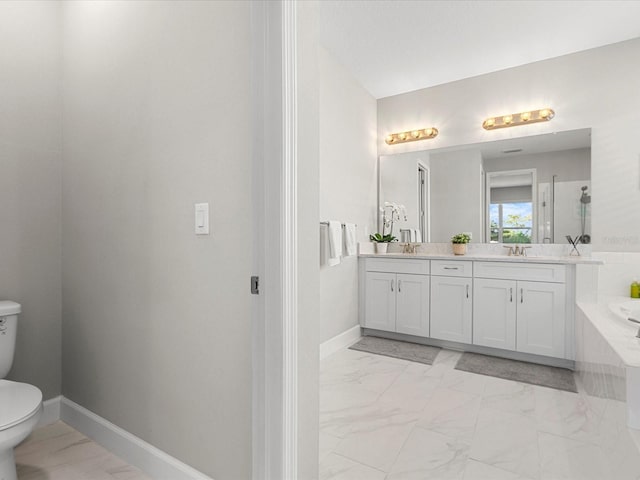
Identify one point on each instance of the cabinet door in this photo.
(541, 318)
(412, 309)
(380, 301)
(450, 316)
(494, 313)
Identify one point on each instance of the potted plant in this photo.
(459, 242)
(381, 241)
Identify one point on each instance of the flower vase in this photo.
(381, 247)
(459, 248)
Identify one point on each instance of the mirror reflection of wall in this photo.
(456, 195)
(405, 180)
(473, 189)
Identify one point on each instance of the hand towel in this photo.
(335, 243)
(418, 236)
(412, 235)
(350, 239)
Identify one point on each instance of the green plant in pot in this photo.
(459, 243)
(381, 241)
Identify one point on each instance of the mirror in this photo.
(533, 189)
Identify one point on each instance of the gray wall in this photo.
(157, 334)
(348, 185)
(30, 167)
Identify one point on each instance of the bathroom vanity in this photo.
(515, 307)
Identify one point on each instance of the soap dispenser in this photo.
(635, 289)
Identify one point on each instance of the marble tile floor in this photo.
(385, 418)
(58, 452)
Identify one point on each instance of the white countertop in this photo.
(564, 260)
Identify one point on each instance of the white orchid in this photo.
(392, 212)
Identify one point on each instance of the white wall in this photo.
(597, 88)
(348, 185)
(157, 321)
(456, 195)
(30, 185)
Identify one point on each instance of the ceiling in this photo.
(394, 47)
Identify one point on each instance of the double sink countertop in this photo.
(564, 260)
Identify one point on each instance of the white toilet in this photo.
(20, 403)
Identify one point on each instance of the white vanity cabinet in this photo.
(494, 313)
(541, 319)
(451, 300)
(517, 309)
(380, 304)
(397, 301)
(412, 307)
(514, 313)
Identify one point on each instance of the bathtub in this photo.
(608, 348)
(623, 310)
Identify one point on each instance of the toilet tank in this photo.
(8, 327)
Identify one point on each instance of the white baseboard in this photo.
(135, 451)
(50, 411)
(343, 340)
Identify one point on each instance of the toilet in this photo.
(20, 403)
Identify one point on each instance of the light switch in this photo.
(202, 218)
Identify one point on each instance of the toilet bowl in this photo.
(20, 403)
(20, 410)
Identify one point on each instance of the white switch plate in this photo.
(202, 218)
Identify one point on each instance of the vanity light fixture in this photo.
(514, 119)
(411, 136)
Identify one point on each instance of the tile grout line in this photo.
(359, 463)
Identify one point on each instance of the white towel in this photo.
(412, 235)
(418, 236)
(335, 243)
(350, 243)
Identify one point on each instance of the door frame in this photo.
(275, 251)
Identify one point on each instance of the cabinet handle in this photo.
(451, 268)
(511, 294)
(521, 295)
(392, 285)
(467, 291)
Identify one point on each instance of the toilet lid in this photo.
(17, 402)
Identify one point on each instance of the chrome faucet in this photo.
(634, 321)
(517, 251)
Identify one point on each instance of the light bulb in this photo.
(390, 139)
(507, 119)
(525, 117)
(402, 136)
(428, 131)
(490, 122)
(544, 113)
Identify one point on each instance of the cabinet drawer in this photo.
(455, 268)
(536, 272)
(397, 265)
